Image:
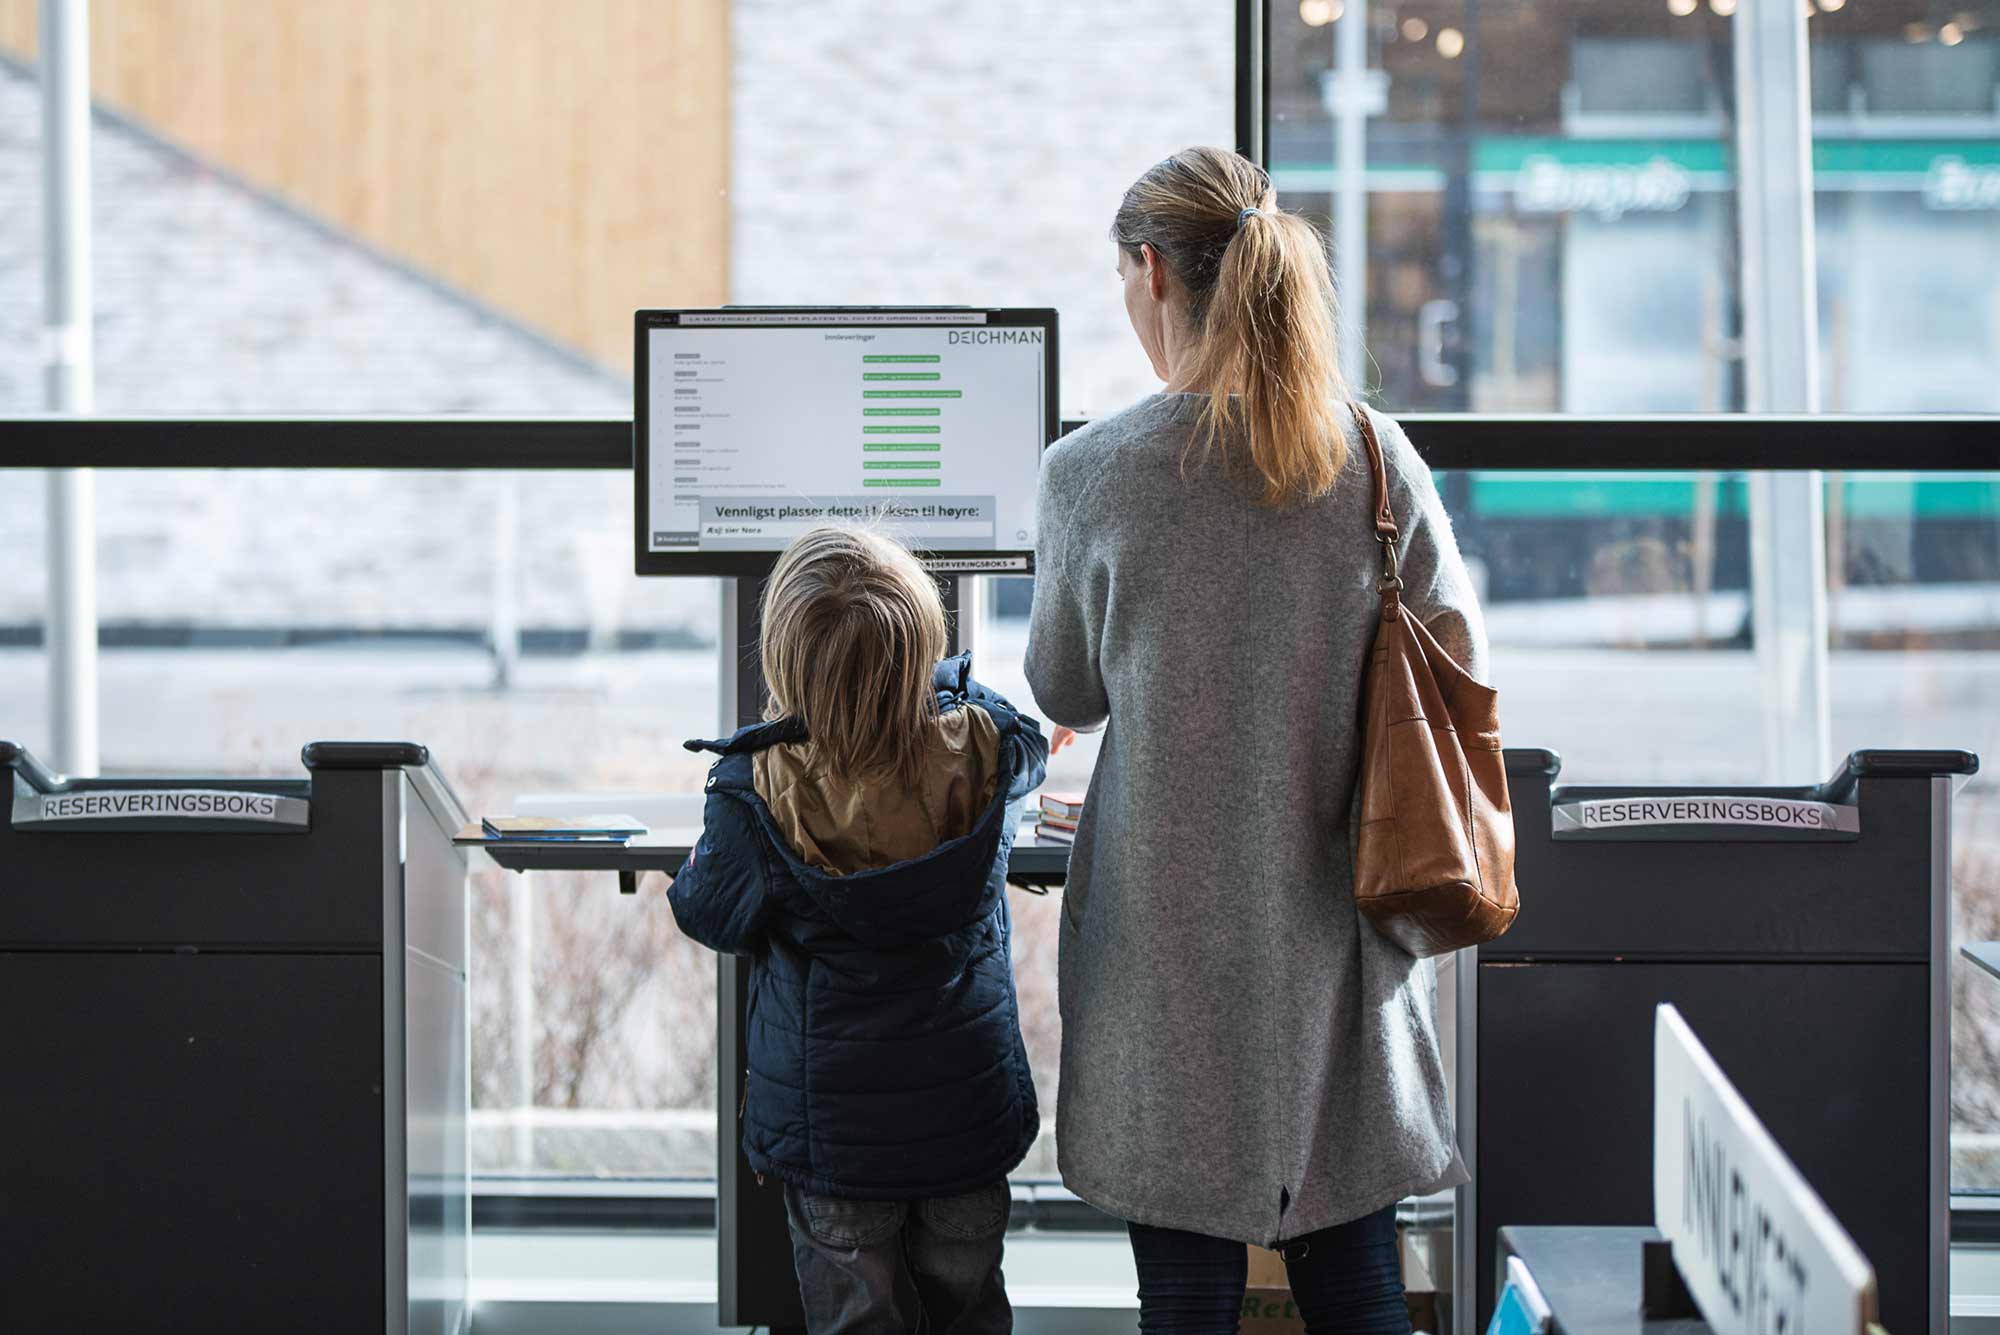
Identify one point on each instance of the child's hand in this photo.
(1060, 738)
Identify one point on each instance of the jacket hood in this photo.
(918, 899)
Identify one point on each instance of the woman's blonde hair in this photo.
(1261, 301)
(853, 627)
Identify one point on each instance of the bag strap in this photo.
(1386, 532)
(1385, 518)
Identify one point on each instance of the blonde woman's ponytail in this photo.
(1261, 299)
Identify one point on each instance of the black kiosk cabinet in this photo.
(233, 1064)
(1801, 931)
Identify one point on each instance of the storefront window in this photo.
(1906, 175)
(1547, 198)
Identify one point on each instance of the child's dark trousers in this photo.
(869, 1266)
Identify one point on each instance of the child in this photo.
(854, 846)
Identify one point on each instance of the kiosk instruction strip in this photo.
(159, 808)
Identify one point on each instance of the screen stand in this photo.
(755, 1282)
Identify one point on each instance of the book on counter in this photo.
(612, 829)
(1058, 816)
(1062, 806)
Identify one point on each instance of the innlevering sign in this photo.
(1640, 811)
(159, 807)
(1759, 1252)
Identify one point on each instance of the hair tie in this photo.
(1245, 217)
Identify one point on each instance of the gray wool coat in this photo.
(1242, 1056)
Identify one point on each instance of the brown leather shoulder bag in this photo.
(1434, 861)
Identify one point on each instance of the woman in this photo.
(1244, 1059)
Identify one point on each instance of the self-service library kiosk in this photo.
(1803, 932)
(234, 1055)
(752, 425)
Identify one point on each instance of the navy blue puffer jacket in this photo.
(884, 1041)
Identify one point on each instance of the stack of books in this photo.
(560, 829)
(1059, 815)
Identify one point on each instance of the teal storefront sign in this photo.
(1611, 177)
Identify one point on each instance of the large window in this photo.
(1547, 199)
(966, 154)
(380, 206)
(1548, 206)
(377, 207)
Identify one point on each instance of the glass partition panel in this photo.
(1913, 605)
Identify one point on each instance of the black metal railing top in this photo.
(1721, 443)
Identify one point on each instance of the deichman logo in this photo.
(994, 336)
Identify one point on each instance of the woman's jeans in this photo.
(869, 1266)
(1346, 1280)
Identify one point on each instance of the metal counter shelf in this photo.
(1034, 864)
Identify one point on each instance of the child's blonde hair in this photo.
(852, 629)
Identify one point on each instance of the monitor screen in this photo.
(752, 426)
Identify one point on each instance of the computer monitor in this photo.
(753, 425)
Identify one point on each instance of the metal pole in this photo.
(975, 606)
(503, 624)
(66, 304)
(527, 1020)
(1449, 366)
(728, 717)
(1351, 98)
(1781, 374)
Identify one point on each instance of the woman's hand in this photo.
(1060, 738)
